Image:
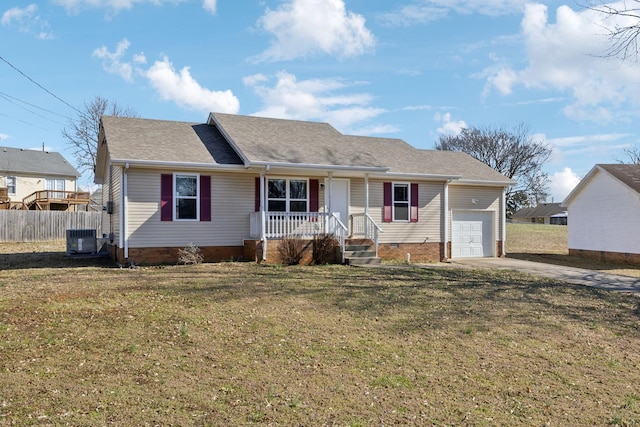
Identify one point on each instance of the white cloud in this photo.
(171, 85)
(561, 183)
(566, 56)
(449, 126)
(185, 91)
(425, 11)
(4, 136)
(210, 6)
(112, 63)
(27, 21)
(309, 27)
(114, 5)
(316, 99)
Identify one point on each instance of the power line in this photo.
(40, 86)
(10, 99)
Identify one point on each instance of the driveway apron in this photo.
(580, 276)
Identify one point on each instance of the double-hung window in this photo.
(400, 201)
(11, 185)
(287, 195)
(186, 197)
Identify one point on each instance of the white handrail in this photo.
(367, 228)
(340, 231)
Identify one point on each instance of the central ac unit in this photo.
(81, 241)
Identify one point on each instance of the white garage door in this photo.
(471, 234)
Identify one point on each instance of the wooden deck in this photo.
(46, 200)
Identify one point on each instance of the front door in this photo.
(340, 199)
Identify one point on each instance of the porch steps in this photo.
(360, 252)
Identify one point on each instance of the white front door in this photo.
(340, 199)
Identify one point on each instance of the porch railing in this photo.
(279, 225)
(362, 225)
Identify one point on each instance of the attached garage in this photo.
(472, 234)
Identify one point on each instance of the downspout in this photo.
(330, 207)
(121, 211)
(504, 222)
(125, 209)
(445, 196)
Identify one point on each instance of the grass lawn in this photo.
(82, 343)
(548, 243)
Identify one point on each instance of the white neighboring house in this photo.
(605, 214)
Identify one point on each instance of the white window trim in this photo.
(287, 198)
(175, 197)
(393, 201)
(15, 184)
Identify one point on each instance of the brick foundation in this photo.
(153, 256)
(617, 257)
(420, 252)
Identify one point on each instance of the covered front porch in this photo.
(308, 208)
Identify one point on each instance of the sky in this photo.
(409, 69)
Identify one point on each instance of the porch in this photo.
(269, 227)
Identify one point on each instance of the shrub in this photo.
(325, 249)
(291, 250)
(190, 254)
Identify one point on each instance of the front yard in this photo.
(248, 344)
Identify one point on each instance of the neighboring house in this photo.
(543, 213)
(236, 185)
(34, 179)
(605, 214)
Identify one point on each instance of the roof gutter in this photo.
(181, 165)
(485, 183)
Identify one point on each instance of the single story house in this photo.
(542, 213)
(236, 185)
(605, 214)
(32, 179)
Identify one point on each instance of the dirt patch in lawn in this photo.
(249, 344)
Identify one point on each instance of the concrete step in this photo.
(365, 253)
(354, 248)
(363, 260)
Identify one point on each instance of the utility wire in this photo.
(7, 96)
(40, 86)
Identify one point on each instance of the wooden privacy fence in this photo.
(35, 226)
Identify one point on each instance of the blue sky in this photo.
(410, 69)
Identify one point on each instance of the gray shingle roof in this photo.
(542, 210)
(166, 141)
(21, 161)
(236, 139)
(628, 174)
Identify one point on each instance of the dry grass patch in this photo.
(249, 344)
(548, 244)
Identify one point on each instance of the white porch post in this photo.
(366, 203)
(329, 204)
(263, 217)
(125, 209)
(445, 215)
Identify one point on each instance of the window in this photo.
(287, 195)
(11, 184)
(186, 197)
(401, 202)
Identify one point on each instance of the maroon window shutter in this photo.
(314, 198)
(387, 215)
(205, 198)
(414, 203)
(166, 197)
(257, 194)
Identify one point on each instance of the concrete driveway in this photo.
(580, 276)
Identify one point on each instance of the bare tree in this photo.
(632, 155)
(624, 28)
(82, 134)
(513, 153)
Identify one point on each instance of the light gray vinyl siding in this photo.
(429, 226)
(473, 198)
(232, 203)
